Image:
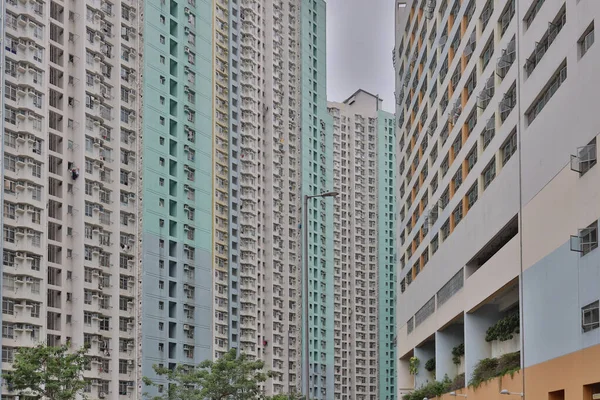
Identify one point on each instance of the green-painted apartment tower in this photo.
(386, 253)
(176, 299)
(317, 177)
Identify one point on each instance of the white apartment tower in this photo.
(265, 310)
(363, 137)
(70, 76)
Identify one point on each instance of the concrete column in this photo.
(424, 353)
(445, 341)
(476, 348)
(406, 381)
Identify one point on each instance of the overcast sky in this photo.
(360, 39)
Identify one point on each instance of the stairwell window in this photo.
(546, 41)
(532, 12)
(544, 97)
(590, 316)
(586, 41)
(588, 239)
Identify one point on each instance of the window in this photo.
(472, 158)
(532, 12)
(457, 145)
(508, 102)
(7, 354)
(9, 210)
(444, 166)
(489, 173)
(546, 41)
(10, 163)
(488, 132)
(590, 316)
(445, 229)
(9, 234)
(471, 83)
(506, 16)
(586, 41)
(486, 14)
(544, 97)
(509, 147)
(458, 213)
(8, 306)
(586, 239)
(585, 159)
(472, 195)
(435, 242)
(457, 179)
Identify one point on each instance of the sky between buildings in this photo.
(360, 40)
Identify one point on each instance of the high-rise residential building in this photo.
(268, 203)
(239, 169)
(71, 195)
(183, 197)
(498, 193)
(364, 248)
(172, 233)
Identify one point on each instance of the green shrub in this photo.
(490, 368)
(457, 353)
(413, 366)
(430, 365)
(431, 390)
(504, 329)
(458, 383)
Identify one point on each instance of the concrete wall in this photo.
(555, 290)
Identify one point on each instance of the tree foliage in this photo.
(504, 329)
(457, 353)
(430, 390)
(56, 373)
(289, 396)
(230, 377)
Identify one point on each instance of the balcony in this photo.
(24, 288)
(31, 10)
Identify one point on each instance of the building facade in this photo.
(498, 190)
(71, 125)
(364, 248)
(184, 210)
(181, 155)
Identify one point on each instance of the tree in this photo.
(290, 396)
(55, 373)
(230, 377)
